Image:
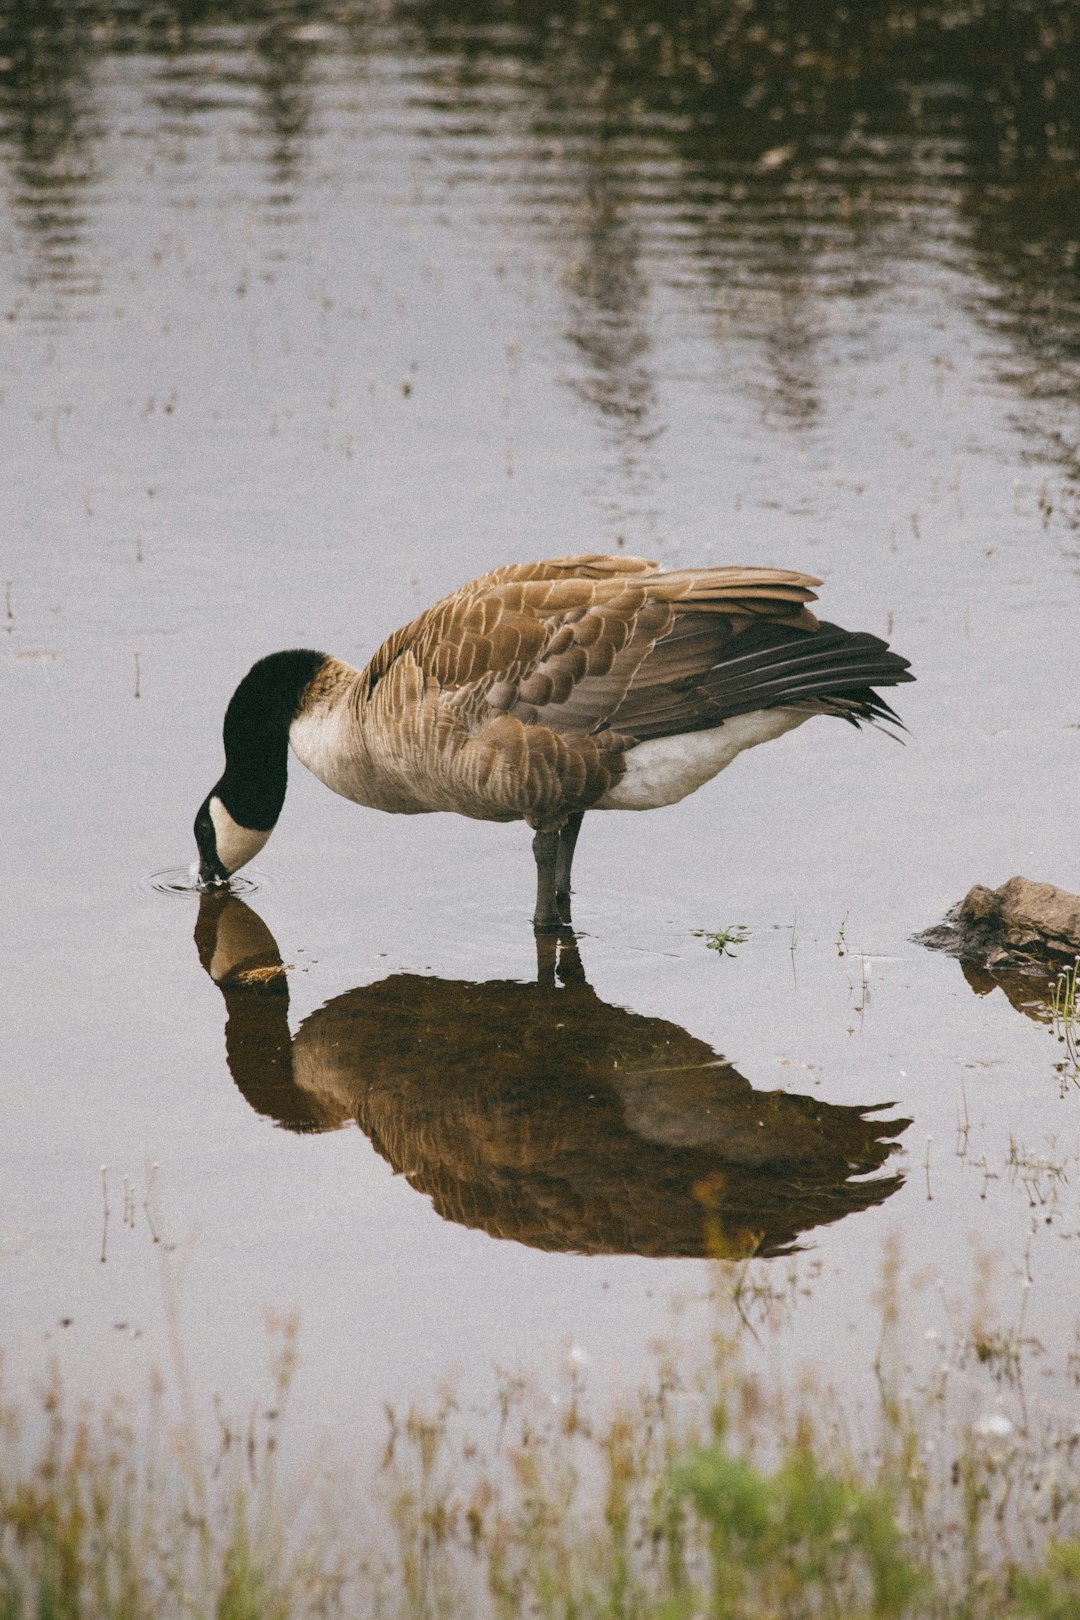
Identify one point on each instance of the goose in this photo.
(540, 691)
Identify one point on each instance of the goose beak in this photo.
(211, 874)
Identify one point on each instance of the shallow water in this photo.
(310, 314)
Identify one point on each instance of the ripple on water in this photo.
(184, 880)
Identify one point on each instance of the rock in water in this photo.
(1018, 922)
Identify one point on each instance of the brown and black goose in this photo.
(540, 691)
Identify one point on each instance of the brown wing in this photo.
(519, 694)
(564, 641)
(491, 625)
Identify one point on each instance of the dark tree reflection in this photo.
(763, 152)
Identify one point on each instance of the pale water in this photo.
(310, 313)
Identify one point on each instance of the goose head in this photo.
(241, 810)
(224, 844)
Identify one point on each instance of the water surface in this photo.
(311, 313)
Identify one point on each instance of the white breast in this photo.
(329, 742)
(665, 769)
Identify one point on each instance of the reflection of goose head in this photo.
(540, 1113)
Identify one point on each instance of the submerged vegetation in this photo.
(1063, 1004)
(710, 1493)
(722, 941)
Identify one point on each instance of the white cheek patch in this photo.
(236, 845)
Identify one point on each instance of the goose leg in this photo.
(557, 959)
(569, 968)
(554, 854)
(547, 956)
(546, 919)
(565, 859)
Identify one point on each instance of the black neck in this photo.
(256, 735)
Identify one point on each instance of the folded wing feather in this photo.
(547, 660)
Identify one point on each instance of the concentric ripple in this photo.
(185, 880)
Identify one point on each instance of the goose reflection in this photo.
(538, 1112)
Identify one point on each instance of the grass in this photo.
(1063, 1004)
(707, 1496)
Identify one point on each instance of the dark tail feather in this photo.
(831, 671)
(765, 666)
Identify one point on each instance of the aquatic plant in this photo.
(1063, 1003)
(722, 941)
